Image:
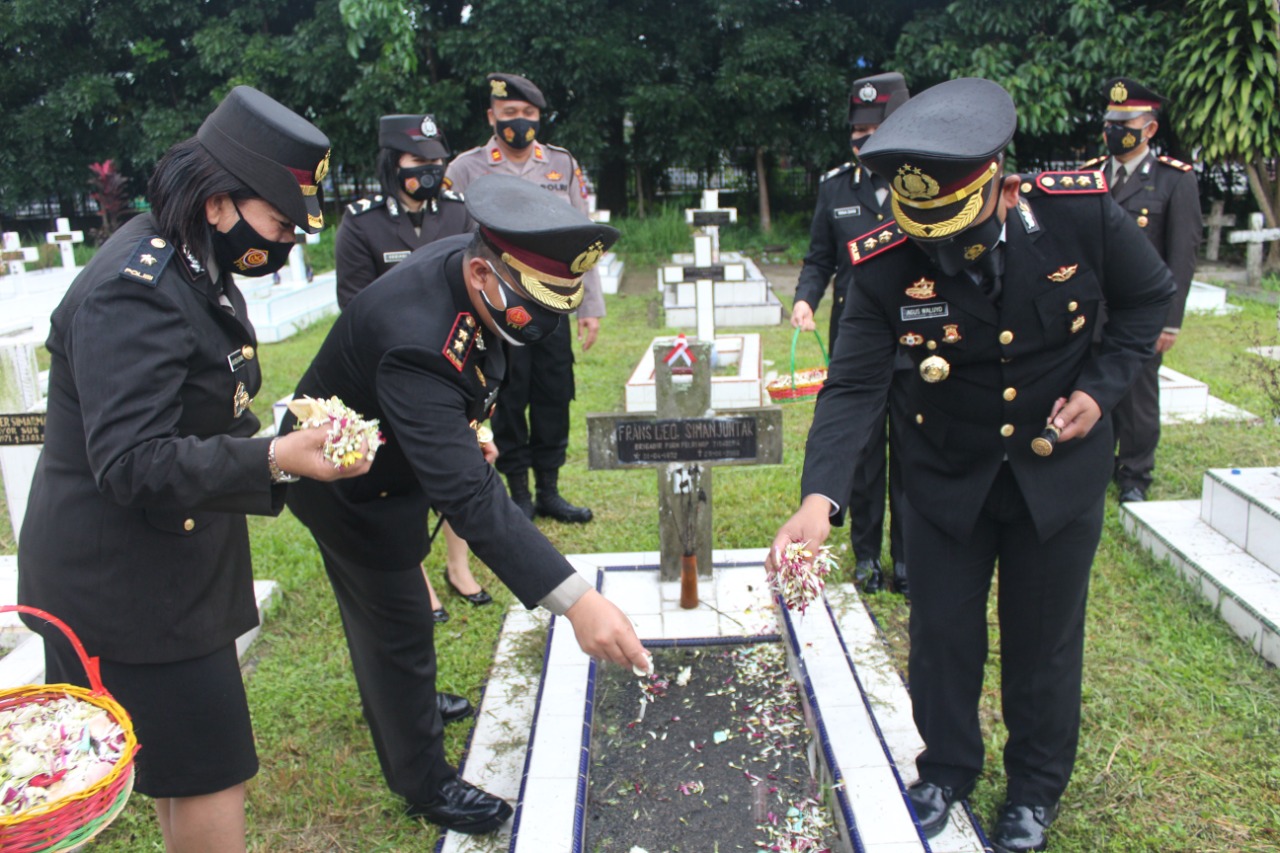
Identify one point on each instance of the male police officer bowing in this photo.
(540, 378)
(992, 285)
(851, 202)
(423, 352)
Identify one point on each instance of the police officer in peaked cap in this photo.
(1162, 196)
(993, 284)
(425, 351)
(531, 425)
(851, 202)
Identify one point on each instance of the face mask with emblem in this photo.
(1120, 139)
(520, 321)
(966, 249)
(244, 251)
(518, 132)
(422, 183)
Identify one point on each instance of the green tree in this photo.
(1226, 63)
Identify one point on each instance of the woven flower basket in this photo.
(804, 385)
(69, 822)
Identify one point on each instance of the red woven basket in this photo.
(802, 386)
(68, 823)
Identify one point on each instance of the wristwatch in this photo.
(484, 435)
(278, 474)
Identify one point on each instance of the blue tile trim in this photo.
(533, 728)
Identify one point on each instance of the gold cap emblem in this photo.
(914, 184)
(974, 252)
(498, 88)
(1119, 93)
(587, 259)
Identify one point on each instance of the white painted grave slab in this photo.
(1204, 298)
(280, 311)
(741, 390)
(1187, 400)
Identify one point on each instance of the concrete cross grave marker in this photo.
(1217, 219)
(65, 239)
(21, 419)
(682, 441)
(16, 255)
(709, 218)
(1254, 237)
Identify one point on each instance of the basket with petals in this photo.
(800, 385)
(66, 758)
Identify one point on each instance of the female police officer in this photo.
(135, 533)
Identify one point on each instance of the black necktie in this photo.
(992, 273)
(1122, 175)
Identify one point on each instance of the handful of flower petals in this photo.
(54, 749)
(800, 576)
(347, 429)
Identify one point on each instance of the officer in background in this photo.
(540, 378)
(413, 209)
(852, 202)
(422, 351)
(1162, 196)
(993, 285)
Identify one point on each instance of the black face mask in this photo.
(518, 132)
(856, 142)
(1120, 139)
(964, 250)
(244, 251)
(422, 183)
(520, 321)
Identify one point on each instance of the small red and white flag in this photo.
(680, 353)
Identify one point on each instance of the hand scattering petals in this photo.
(347, 429)
(800, 576)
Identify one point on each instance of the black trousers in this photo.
(867, 497)
(1137, 425)
(539, 380)
(387, 620)
(1041, 611)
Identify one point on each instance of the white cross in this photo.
(16, 255)
(64, 238)
(709, 218)
(1255, 237)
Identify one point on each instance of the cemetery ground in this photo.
(1181, 721)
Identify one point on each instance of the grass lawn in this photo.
(1181, 721)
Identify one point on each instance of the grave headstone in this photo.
(1254, 238)
(65, 239)
(684, 441)
(16, 255)
(21, 420)
(1215, 223)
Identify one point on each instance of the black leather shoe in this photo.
(476, 598)
(900, 585)
(453, 708)
(868, 575)
(551, 504)
(1133, 495)
(932, 804)
(440, 615)
(462, 807)
(1021, 828)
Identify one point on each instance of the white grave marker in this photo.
(1217, 219)
(1255, 237)
(65, 239)
(16, 255)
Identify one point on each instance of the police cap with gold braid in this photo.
(272, 150)
(513, 87)
(941, 153)
(549, 243)
(1127, 98)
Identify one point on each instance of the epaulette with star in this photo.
(462, 337)
(1176, 164)
(876, 242)
(1078, 182)
(365, 205)
(838, 170)
(1096, 162)
(148, 260)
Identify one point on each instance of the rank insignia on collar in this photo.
(922, 289)
(1064, 273)
(1077, 324)
(912, 339)
(495, 155)
(148, 259)
(873, 243)
(951, 333)
(240, 401)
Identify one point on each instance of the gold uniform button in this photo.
(879, 216)
(157, 243)
(1010, 394)
(931, 345)
(1026, 186)
(1006, 337)
(189, 525)
(1072, 305)
(1006, 430)
(248, 352)
(919, 419)
(382, 494)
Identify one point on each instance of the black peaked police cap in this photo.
(549, 243)
(413, 134)
(1127, 98)
(941, 152)
(272, 150)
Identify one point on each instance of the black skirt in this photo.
(191, 717)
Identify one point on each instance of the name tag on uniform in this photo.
(843, 212)
(236, 360)
(394, 257)
(932, 311)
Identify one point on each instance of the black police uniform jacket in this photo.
(376, 234)
(1065, 255)
(1163, 198)
(846, 209)
(135, 532)
(411, 353)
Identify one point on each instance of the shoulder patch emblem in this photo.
(876, 242)
(843, 167)
(461, 339)
(1177, 164)
(365, 205)
(148, 260)
(450, 195)
(495, 156)
(1080, 182)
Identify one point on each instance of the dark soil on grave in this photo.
(664, 783)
